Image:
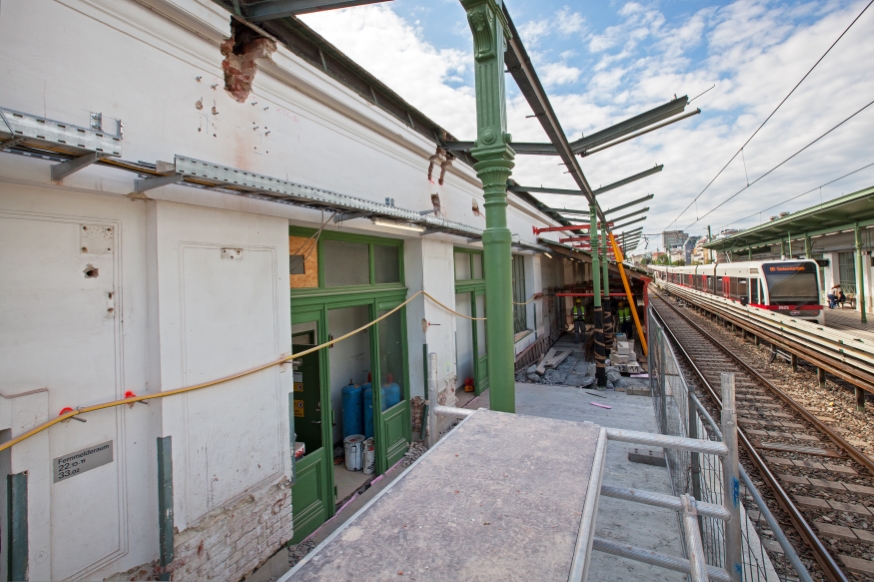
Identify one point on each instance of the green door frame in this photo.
(476, 288)
(313, 304)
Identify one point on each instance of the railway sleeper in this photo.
(824, 484)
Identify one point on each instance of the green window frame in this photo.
(520, 312)
(373, 248)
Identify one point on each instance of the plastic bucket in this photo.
(353, 446)
(369, 457)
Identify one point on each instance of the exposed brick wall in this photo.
(230, 541)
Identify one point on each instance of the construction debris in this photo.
(416, 450)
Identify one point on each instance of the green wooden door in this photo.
(312, 496)
(393, 432)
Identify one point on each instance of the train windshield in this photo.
(792, 283)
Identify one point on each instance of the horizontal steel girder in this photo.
(629, 204)
(631, 222)
(601, 190)
(519, 65)
(630, 214)
(272, 9)
(599, 138)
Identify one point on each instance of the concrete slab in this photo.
(632, 523)
(494, 510)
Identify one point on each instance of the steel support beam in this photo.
(494, 163)
(860, 288)
(520, 67)
(146, 184)
(601, 190)
(600, 355)
(630, 214)
(600, 138)
(165, 506)
(629, 204)
(630, 222)
(64, 169)
(273, 9)
(16, 515)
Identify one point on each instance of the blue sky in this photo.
(602, 62)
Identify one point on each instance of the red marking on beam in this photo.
(567, 228)
(586, 294)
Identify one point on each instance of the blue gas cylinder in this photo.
(391, 395)
(367, 392)
(353, 419)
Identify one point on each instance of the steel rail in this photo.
(831, 569)
(812, 347)
(833, 436)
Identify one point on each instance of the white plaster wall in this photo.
(184, 314)
(219, 316)
(60, 339)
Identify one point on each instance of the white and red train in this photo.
(790, 287)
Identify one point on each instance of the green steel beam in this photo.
(600, 354)
(165, 505)
(860, 275)
(596, 192)
(629, 204)
(630, 214)
(630, 222)
(569, 211)
(273, 9)
(16, 513)
(494, 156)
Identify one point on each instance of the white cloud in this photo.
(394, 51)
(558, 74)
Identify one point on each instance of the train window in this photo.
(719, 285)
(754, 290)
(732, 288)
(742, 289)
(791, 283)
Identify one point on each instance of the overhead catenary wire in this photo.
(782, 202)
(721, 204)
(749, 139)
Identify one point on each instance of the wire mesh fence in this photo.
(701, 475)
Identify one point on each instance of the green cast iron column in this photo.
(494, 163)
(606, 305)
(600, 372)
(860, 274)
(807, 250)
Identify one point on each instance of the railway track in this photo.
(821, 484)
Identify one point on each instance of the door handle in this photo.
(316, 421)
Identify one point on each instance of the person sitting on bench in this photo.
(836, 296)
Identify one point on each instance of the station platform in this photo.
(543, 459)
(849, 320)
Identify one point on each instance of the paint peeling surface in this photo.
(500, 498)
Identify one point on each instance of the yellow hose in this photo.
(134, 399)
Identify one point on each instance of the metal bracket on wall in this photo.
(64, 169)
(343, 216)
(144, 184)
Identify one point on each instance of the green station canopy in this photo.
(837, 215)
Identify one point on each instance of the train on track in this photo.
(790, 287)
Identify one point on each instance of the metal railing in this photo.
(707, 478)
